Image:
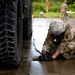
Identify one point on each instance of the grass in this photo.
(50, 15)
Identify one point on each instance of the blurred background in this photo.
(51, 8)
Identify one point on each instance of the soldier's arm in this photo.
(59, 50)
(47, 43)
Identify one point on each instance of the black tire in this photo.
(27, 21)
(10, 32)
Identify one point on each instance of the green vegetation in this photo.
(53, 9)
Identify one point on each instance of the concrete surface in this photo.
(30, 67)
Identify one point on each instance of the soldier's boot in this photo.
(68, 55)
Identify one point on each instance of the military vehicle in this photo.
(15, 26)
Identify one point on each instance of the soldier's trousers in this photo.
(69, 51)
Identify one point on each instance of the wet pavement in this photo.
(30, 67)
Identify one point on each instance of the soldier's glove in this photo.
(41, 58)
(50, 59)
(45, 57)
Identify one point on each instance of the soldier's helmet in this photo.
(57, 27)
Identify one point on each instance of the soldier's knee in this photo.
(66, 55)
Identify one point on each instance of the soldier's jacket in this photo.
(67, 39)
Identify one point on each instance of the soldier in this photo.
(60, 41)
(64, 8)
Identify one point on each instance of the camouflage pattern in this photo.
(67, 39)
(64, 8)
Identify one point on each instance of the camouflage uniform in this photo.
(67, 39)
(63, 10)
